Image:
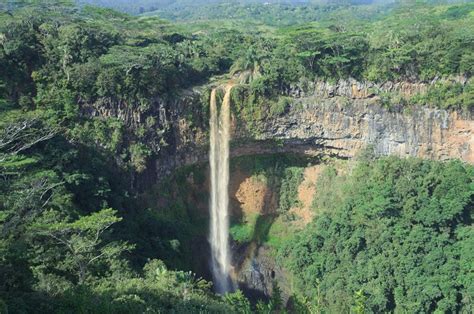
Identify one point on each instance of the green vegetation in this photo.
(290, 182)
(63, 249)
(446, 95)
(394, 237)
(372, 42)
(272, 14)
(243, 231)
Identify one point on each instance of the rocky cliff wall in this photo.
(340, 121)
(343, 127)
(336, 119)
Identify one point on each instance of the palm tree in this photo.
(248, 66)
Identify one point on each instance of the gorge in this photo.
(337, 121)
(332, 121)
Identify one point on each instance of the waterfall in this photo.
(219, 164)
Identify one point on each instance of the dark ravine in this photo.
(258, 271)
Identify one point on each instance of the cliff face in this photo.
(339, 127)
(336, 119)
(342, 118)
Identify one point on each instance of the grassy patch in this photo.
(280, 231)
(254, 227)
(243, 232)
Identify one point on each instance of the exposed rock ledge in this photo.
(338, 120)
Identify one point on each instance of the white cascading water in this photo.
(219, 164)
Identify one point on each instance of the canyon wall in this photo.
(342, 128)
(340, 120)
(336, 119)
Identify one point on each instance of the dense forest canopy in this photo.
(394, 235)
(77, 238)
(424, 43)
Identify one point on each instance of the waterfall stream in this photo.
(219, 164)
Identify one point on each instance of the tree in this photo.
(238, 302)
(83, 242)
(18, 136)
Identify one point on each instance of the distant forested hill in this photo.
(212, 9)
(142, 6)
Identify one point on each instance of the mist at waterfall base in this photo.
(219, 198)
